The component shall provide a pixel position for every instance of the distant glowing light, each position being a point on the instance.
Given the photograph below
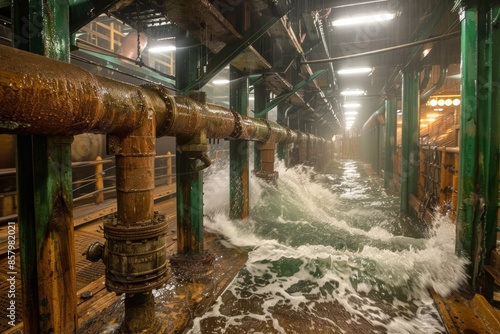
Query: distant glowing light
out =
(350, 113)
(350, 118)
(456, 102)
(162, 48)
(352, 105)
(433, 103)
(440, 103)
(448, 102)
(220, 82)
(355, 70)
(353, 92)
(363, 19)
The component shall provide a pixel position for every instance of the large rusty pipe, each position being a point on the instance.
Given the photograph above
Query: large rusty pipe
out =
(45, 96)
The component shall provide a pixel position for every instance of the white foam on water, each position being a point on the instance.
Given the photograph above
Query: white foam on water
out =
(374, 275)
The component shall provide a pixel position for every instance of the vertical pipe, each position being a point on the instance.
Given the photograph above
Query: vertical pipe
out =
(44, 188)
(390, 140)
(410, 137)
(238, 151)
(99, 182)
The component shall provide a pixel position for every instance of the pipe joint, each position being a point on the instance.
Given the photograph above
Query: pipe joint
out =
(134, 254)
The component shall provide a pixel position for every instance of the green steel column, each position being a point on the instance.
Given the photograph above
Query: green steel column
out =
(189, 205)
(282, 148)
(190, 160)
(44, 185)
(489, 126)
(479, 123)
(410, 137)
(261, 99)
(390, 140)
(238, 151)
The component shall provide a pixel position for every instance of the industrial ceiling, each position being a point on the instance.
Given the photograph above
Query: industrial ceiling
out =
(294, 48)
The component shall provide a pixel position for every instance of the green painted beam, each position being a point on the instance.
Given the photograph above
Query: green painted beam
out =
(44, 185)
(232, 50)
(82, 12)
(284, 96)
(410, 137)
(390, 140)
(239, 177)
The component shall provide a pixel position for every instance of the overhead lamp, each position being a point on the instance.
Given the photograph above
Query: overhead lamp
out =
(448, 102)
(354, 113)
(220, 82)
(363, 19)
(456, 102)
(355, 70)
(352, 105)
(350, 118)
(353, 92)
(162, 48)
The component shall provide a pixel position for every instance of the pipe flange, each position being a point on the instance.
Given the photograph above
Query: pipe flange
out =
(238, 128)
(135, 254)
(167, 97)
(270, 131)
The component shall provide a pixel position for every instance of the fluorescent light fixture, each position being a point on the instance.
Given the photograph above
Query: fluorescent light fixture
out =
(352, 105)
(220, 82)
(350, 113)
(363, 19)
(162, 48)
(355, 70)
(456, 102)
(353, 92)
(350, 118)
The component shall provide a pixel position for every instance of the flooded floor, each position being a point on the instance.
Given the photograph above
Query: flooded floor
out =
(329, 253)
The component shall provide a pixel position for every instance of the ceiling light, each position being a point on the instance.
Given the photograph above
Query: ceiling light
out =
(352, 105)
(448, 102)
(350, 113)
(363, 19)
(350, 118)
(353, 92)
(355, 70)
(438, 109)
(456, 102)
(162, 48)
(220, 82)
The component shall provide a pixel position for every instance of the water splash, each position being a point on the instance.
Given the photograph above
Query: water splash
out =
(329, 254)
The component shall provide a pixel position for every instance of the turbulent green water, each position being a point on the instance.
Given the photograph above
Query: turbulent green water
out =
(329, 254)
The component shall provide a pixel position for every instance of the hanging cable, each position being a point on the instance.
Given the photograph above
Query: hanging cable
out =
(138, 60)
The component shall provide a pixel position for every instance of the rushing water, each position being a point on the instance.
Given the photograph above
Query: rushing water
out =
(329, 253)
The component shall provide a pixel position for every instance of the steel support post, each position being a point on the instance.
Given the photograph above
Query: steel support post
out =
(410, 137)
(44, 185)
(479, 123)
(238, 151)
(261, 98)
(283, 147)
(191, 261)
(390, 140)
